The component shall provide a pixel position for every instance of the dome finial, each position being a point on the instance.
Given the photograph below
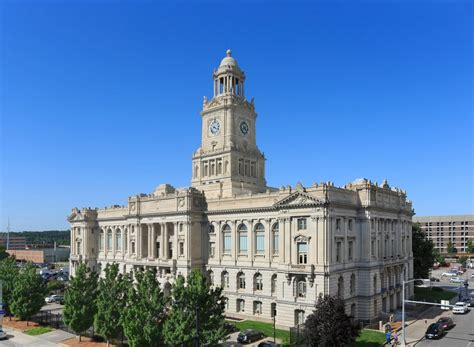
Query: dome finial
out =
(229, 53)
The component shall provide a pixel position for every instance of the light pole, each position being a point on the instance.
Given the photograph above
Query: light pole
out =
(404, 342)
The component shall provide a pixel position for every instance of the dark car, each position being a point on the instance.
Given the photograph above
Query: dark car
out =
(419, 282)
(249, 336)
(434, 331)
(446, 322)
(434, 279)
(59, 299)
(230, 328)
(266, 344)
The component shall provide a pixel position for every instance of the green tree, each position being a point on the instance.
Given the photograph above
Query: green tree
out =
(438, 257)
(3, 253)
(450, 247)
(80, 300)
(463, 260)
(329, 325)
(469, 247)
(142, 318)
(196, 300)
(111, 300)
(8, 275)
(28, 293)
(423, 253)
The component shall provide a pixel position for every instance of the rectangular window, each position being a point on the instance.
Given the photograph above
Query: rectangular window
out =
(170, 250)
(78, 245)
(276, 242)
(338, 252)
(240, 305)
(372, 248)
(301, 223)
(302, 253)
(338, 224)
(350, 250)
(372, 224)
(181, 248)
(260, 244)
(257, 307)
(349, 224)
(227, 243)
(212, 249)
(133, 247)
(243, 242)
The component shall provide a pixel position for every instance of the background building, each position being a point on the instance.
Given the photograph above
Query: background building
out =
(442, 229)
(45, 255)
(273, 250)
(16, 242)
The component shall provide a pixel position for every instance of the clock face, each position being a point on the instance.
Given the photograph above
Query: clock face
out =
(244, 127)
(214, 127)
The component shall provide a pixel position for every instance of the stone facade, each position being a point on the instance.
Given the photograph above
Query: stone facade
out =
(272, 249)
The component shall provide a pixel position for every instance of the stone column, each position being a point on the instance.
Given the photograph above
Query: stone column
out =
(234, 240)
(268, 240)
(175, 241)
(164, 237)
(149, 239)
(153, 241)
(251, 240)
(139, 241)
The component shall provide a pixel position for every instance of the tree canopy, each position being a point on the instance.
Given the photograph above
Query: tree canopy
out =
(450, 247)
(469, 247)
(80, 300)
(423, 253)
(329, 325)
(195, 304)
(111, 300)
(143, 316)
(8, 274)
(28, 293)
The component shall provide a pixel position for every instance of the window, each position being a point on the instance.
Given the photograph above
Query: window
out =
(170, 250)
(350, 250)
(302, 249)
(274, 283)
(227, 238)
(338, 224)
(212, 249)
(258, 285)
(276, 238)
(240, 280)
(340, 287)
(125, 236)
(181, 248)
(78, 246)
(242, 238)
(375, 284)
(157, 245)
(372, 224)
(225, 279)
(353, 284)
(372, 248)
(101, 240)
(299, 317)
(240, 305)
(211, 229)
(257, 307)
(133, 247)
(301, 224)
(301, 289)
(338, 252)
(211, 277)
(109, 240)
(118, 240)
(349, 224)
(260, 238)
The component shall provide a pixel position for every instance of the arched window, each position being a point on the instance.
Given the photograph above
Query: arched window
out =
(274, 283)
(259, 238)
(340, 287)
(109, 240)
(225, 279)
(242, 238)
(101, 240)
(240, 280)
(226, 235)
(276, 238)
(118, 240)
(300, 288)
(258, 281)
(353, 284)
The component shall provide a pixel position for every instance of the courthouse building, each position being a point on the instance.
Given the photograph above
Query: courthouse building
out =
(273, 250)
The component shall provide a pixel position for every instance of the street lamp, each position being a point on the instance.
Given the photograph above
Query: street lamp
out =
(404, 342)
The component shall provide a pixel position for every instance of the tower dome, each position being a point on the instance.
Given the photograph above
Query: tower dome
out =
(229, 61)
(229, 78)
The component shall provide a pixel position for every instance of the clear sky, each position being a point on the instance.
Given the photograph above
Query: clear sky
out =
(101, 100)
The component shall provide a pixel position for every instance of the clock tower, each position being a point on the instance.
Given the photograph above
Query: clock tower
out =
(228, 162)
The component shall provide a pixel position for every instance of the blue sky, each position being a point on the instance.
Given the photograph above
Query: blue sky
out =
(101, 100)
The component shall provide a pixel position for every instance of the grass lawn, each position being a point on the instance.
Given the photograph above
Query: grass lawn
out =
(266, 328)
(370, 338)
(38, 331)
(430, 295)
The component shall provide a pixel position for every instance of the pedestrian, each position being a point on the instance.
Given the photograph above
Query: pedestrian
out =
(395, 338)
(388, 337)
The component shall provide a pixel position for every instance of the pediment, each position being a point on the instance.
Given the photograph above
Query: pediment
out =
(75, 217)
(298, 199)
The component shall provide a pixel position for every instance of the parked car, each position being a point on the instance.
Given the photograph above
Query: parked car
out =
(58, 299)
(419, 283)
(446, 322)
(50, 299)
(449, 274)
(472, 275)
(249, 335)
(230, 328)
(266, 344)
(3, 335)
(468, 300)
(434, 279)
(434, 331)
(456, 280)
(460, 307)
